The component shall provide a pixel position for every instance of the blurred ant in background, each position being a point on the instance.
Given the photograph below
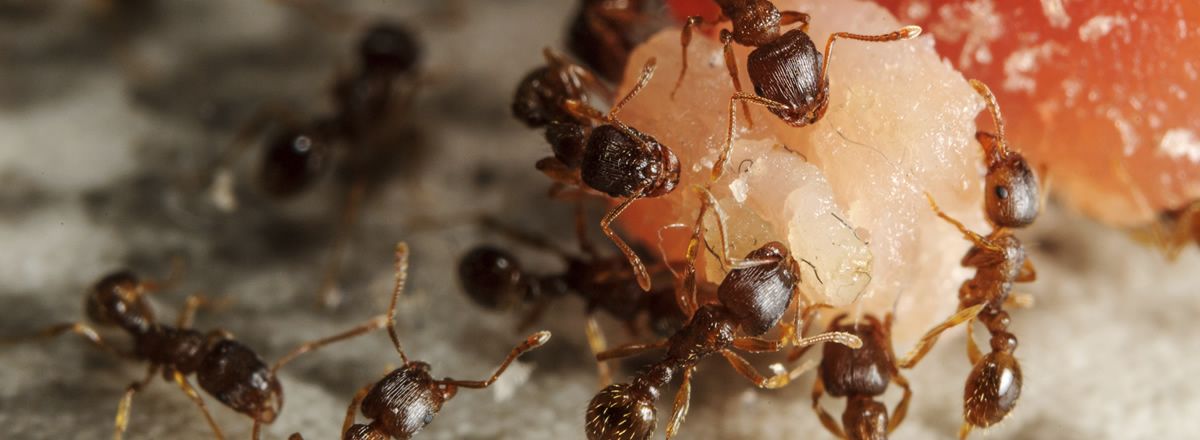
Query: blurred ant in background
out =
(225, 368)
(357, 138)
(604, 32)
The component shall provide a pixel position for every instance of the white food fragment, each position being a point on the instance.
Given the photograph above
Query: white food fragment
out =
(1056, 13)
(1022, 63)
(739, 189)
(1180, 143)
(1099, 26)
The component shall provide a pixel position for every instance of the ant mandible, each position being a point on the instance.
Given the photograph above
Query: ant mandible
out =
(225, 368)
(611, 158)
(752, 299)
(1011, 201)
(407, 399)
(864, 374)
(495, 279)
(298, 153)
(790, 78)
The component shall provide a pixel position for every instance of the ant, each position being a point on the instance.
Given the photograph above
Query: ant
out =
(299, 153)
(494, 279)
(1011, 201)
(752, 299)
(225, 368)
(790, 78)
(408, 398)
(611, 158)
(1174, 228)
(604, 32)
(862, 375)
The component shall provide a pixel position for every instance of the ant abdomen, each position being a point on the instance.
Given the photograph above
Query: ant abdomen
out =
(794, 57)
(493, 278)
(622, 412)
(293, 160)
(992, 390)
(618, 165)
(759, 295)
(238, 377)
(865, 419)
(401, 404)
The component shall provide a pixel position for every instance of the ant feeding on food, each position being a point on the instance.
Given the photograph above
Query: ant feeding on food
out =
(752, 299)
(1010, 201)
(405, 400)
(604, 32)
(370, 105)
(225, 368)
(863, 374)
(790, 78)
(495, 279)
(611, 158)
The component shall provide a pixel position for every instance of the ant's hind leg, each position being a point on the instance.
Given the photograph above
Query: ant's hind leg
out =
(790, 17)
(683, 399)
(77, 328)
(719, 166)
(827, 420)
(630, 349)
(685, 39)
(731, 66)
(749, 372)
(328, 296)
(902, 407)
(931, 337)
(352, 410)
(639, 269)
(596, 341)
(122, 420)
(199, 401)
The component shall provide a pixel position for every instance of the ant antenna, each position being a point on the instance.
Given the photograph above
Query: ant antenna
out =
(993, 107)
(401, 280)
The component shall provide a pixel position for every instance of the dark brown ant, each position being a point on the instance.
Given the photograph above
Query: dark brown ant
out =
(229, 371)
(752, 299)
(604, 32)
(614, 159)
(408, 398)
(298, 153)
(789, 76)
(494, 278)
(862, 375)
(1011, 201)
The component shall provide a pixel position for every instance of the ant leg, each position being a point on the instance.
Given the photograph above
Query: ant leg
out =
(926, 343)
(581, 230)
(122, 419)
(964, 431)
(328, 295)
(557, 171)
(630, 349)
(731, 66)
(719, 166)
(353, 408)
(533, 341)
(1019, 300)
(685, 39)
(193, 303)
(199, 401)
(596, 341)
(790, 17)
(903, 33)
(809, 313)
(974, 237)
(77, 328)
(749, 372)
(902, 407)
(639, 269)
(683, 400)
(832, 425)
(643, 79)
(973, 353)
(1027, 273)
(375, 323)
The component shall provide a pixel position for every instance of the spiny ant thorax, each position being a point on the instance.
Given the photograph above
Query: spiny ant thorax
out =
(865, 419)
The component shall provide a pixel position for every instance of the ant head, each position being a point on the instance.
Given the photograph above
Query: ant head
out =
(492, 278)
(805, 94)
(992, 390)
(117, 299)
(235, 375)
(539, 96)
(404, 401)
(866, 370)
(389, 48)
(758, 294)
(617, 164)
(621, 412)
(1011, 196)
(293, 160)
(865, 418)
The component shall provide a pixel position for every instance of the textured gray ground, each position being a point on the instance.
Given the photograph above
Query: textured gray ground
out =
(103, 162)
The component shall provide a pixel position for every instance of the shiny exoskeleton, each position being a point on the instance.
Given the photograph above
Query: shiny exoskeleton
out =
(611, 158)
(226, 369)
(753, 298)
(790, 77)
(1011, 201)
(405, 400)
(604, 32)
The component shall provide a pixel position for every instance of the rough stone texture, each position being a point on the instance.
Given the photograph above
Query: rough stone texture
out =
(103, 162)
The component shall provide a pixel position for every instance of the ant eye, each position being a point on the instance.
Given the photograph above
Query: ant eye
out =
(1001, 192)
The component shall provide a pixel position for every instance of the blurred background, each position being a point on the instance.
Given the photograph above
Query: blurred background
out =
(116, 115)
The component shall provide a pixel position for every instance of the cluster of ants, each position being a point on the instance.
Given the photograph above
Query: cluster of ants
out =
(597, 154)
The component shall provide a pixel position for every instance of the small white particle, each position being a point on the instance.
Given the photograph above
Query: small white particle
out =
(1099, 26)
(739, 189)
(1056, 13)
(1181, 143)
